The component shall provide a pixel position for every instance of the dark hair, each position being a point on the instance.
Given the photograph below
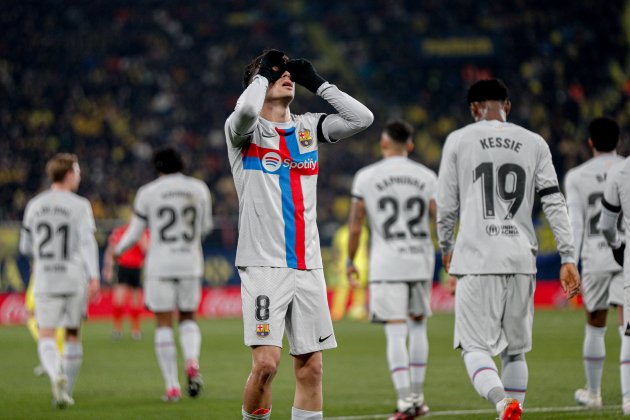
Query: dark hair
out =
(399, 131)
(251, 70)
(167, 161)
(59, 165)
(487, 90)
(604, 134)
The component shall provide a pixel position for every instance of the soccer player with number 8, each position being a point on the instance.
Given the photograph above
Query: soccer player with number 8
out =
(274, 159)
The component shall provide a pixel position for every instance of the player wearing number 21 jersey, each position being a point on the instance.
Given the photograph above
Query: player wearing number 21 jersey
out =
(490, 172)
(58, 232)
(177, 211)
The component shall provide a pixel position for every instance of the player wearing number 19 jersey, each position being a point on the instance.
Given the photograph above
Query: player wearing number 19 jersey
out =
(489, 174)
(602, 277)
(177, 211)
(58, 232)
(397, 195)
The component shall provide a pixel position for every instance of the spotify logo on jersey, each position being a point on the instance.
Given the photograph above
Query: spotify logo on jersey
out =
(271, 162)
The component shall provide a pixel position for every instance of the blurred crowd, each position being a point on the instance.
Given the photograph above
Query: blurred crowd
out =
(112, 80)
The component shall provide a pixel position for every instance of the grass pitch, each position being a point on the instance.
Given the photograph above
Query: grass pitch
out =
(121, 379)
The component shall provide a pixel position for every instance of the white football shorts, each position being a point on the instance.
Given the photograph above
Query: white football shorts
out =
(166, 294)
(60, 311)
(397, 300)
(278, 299)
(602, 289)
(494, 312)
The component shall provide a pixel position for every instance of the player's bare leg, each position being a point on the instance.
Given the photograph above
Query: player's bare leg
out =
(166, 353)
(308, 400)
(190, 342)
(257, 393)
(594, 353)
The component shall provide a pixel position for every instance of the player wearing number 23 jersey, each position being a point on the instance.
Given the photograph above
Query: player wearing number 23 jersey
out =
(177, 211)
(490, 173)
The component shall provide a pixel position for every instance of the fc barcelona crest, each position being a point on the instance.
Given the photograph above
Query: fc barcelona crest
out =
(262, 330)
(305, 138)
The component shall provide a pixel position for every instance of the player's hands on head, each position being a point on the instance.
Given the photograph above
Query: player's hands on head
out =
(272, 65)
(570, 280)
(303, 73)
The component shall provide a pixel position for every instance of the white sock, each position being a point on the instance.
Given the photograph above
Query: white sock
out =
(299, 414)
(418, 355)
(594, 353)
(72, 359)
(167, 356)
(514, 376)
(483, 374)
(625, 366)
(398, 358)
(190, 340)
(49, 357)
(249, 416)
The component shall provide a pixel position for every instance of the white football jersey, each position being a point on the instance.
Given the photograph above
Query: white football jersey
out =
(58, 232)
(489, 175)
(584, 186)
(178, 211)
(617, 196)
(397, 192)
(275, 174)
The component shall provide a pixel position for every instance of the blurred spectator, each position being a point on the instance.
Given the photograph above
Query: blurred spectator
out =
(112, 80)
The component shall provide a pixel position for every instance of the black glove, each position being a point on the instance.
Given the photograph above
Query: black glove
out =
(303, 73)
(618, 254)
(272, 65)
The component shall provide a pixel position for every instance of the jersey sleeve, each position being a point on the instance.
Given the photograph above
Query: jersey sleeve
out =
(352, 116)
(611, 207)
(576, 209)
(141, 206)
(241, 123)
(26, 238)
(207, 221)
(89, 247)
(137, 225)
(554, 206)
(447, 197)
(358, 188)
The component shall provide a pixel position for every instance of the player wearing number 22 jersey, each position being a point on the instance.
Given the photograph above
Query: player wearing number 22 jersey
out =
(397, 195)
(177, 211)
(490, 172)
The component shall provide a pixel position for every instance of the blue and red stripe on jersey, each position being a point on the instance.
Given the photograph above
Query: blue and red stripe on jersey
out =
(290, 179)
